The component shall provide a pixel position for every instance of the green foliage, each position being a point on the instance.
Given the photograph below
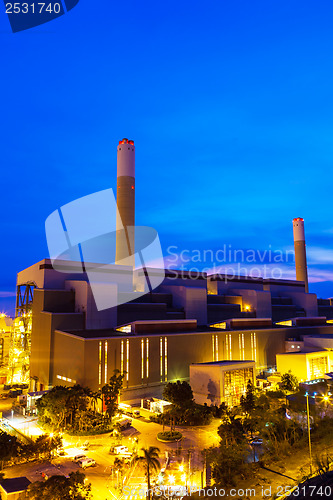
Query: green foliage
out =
(192, 415)
(289, 382)
(229, 464)
(169, 435)
(11, 450)
(112, 391)
(179, 393)
(9, 447)
(45, 445)
(150, 461)
(72, 409)
(248, 401)
(61, 488)
(278, 394)
(231, 432)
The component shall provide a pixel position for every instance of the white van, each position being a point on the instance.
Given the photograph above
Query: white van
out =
(86, 462)
(119, 450)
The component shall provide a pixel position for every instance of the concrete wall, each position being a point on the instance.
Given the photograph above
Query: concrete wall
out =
(192, 299)
(259, 301)
(85, 303)
(43, 325)
(174, 353)
(207, 384)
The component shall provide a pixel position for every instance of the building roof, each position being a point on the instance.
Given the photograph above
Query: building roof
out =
(304, 353)
(225, 362)
(15, 484)
(319, 336)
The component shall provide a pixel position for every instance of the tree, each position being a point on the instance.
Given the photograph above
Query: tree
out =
(179, 393)
(112, 391)
(289, 382)
(231, 432)
(150, 462)
(71, 408)
(248, 402)
(45, 445)
(228, 464)
(61, 488)
(9, 446)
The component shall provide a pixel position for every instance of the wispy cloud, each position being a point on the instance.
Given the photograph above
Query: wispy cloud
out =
(7, 294)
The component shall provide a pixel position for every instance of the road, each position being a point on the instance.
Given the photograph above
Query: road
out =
(103, 477)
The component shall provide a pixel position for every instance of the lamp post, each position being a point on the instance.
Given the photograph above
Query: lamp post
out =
(309, 434)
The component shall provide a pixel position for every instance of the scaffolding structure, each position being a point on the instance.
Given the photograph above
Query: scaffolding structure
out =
(20, 341)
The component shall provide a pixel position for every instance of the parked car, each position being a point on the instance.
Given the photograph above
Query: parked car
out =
(136, 413)
(256, 441)
(124, 423)
(79, 457)
(86, 462)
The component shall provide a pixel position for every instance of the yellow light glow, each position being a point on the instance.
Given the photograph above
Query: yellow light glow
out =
(171, 479)
(183, 478)
(326, 398)
(51, 434)
(181, 467)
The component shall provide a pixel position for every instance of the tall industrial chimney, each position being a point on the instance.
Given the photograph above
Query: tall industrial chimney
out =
(300, 252)
(125, 246)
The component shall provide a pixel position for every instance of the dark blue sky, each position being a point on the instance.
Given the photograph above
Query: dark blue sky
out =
(230, 106)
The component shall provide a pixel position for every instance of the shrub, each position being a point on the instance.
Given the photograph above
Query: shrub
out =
(169, 436)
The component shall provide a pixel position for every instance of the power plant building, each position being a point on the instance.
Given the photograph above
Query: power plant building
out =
(186, 324)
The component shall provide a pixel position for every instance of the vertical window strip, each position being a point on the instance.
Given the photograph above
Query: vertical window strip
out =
(142, 358)
(216, 347)
(105, 362)
(230, 346)
(213, 346)
(240, 346)
(243, 346)
(121, 357)
(161, 358)
(165, 358)
(255, 347)
(252, 350)
(147, 358)
(100, 363)
(127, 360)
(227, 345)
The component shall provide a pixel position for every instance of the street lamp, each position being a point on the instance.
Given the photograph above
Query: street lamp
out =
(171, 479)
(309, 435)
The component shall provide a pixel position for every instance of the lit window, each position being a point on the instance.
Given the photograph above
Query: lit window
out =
(165, 358)
(127, 360)
(142, 359)
(105, 362)
(122, 357)
(161, 358)
(100, 363)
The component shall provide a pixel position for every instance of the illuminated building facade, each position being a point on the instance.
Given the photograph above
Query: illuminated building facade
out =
(221, 381)
(305, 366)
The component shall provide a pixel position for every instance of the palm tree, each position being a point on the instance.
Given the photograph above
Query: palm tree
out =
(150, 462)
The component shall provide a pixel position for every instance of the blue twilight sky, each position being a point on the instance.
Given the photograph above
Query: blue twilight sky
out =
(230, 106)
